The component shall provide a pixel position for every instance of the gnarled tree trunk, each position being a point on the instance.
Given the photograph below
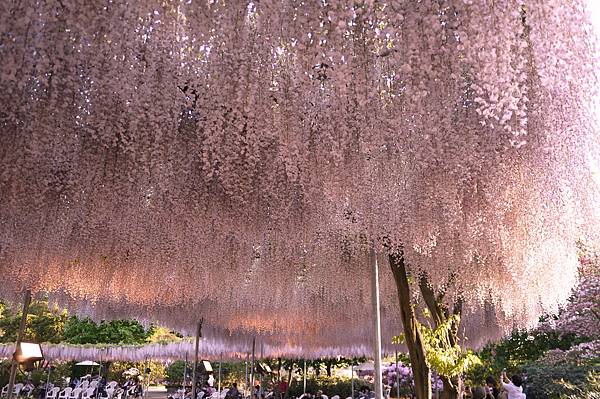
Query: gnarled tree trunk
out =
(440, 313)
(414, 342)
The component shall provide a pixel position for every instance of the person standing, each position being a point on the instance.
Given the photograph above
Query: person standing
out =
(513, 387)
(233, 392)
(492, 387)
(282, 387)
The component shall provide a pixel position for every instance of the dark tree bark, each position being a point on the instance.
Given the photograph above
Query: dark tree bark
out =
(328, 365)
(439, 314)
(414, 341)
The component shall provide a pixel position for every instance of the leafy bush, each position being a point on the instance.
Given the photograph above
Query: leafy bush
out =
(174, 372)
(563, 381)
(329, 385)
(514, 352)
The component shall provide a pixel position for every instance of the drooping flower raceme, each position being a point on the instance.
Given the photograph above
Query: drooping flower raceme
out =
(174, 160)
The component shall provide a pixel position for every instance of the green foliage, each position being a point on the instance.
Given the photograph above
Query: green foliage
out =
(329, 385)
(4, 372)
(174, 372)
(51, 324)
(446, 359)
(122, 332)
(162, 335)
(558, 381)
(320, 366)
(116, 370)
(44, 324)
(520, 348)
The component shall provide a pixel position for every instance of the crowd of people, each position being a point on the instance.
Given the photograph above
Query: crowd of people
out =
(507, 389)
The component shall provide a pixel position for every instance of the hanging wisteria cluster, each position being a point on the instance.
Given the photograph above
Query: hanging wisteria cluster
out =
(210, 349)
(171, 160)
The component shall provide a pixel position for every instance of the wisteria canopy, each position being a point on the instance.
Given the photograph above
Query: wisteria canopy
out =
(210, 349)
(234, 160)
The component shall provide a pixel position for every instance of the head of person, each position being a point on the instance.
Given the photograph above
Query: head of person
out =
(517, 380)
(319, 393)
(478, 393)
(234, 385)
(491, 382)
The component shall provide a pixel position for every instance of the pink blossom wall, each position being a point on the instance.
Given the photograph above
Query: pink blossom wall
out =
(169, 160)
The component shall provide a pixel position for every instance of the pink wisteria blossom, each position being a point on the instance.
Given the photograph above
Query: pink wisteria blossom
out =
(170, 160)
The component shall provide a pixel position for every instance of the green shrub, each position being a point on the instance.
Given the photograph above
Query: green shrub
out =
(329, 385)
(562, 381)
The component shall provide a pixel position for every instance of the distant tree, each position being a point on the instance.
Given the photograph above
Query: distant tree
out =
(44, 324)
(122, 332)
(163, 335)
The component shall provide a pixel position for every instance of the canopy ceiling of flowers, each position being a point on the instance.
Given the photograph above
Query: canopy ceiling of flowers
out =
(171, 160)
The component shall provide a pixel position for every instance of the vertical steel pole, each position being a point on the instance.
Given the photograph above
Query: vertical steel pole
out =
(48, 380)
(304, 375)
(247, 357)
(147, 378)
(252, 365)
(376, 322)
(184, 372)
(194, 373)
(220, 361)
(352, 379)
(22, 325)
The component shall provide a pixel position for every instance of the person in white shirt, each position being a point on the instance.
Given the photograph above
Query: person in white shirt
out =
(513, 386)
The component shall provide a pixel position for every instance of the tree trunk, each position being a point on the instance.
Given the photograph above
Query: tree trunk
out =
(450, 388)
(289, 381)
(414, 342)
(22, 326)
(328, 365)
(439, 314)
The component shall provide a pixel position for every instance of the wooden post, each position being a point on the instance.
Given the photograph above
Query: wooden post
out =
(194, 373)
(22, 325)
(376, 322)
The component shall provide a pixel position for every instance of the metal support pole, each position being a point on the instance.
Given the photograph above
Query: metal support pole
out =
(147, 378)
(260, 376)
(184, 373)
(220, 361)
(48, 380)
(376, 322)
(247, 356)
(352, 379)
(304, 376)
(22, 325)
(194, 374)
(252, 365)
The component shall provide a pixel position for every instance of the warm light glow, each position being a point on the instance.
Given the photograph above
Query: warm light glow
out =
(28, 351)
